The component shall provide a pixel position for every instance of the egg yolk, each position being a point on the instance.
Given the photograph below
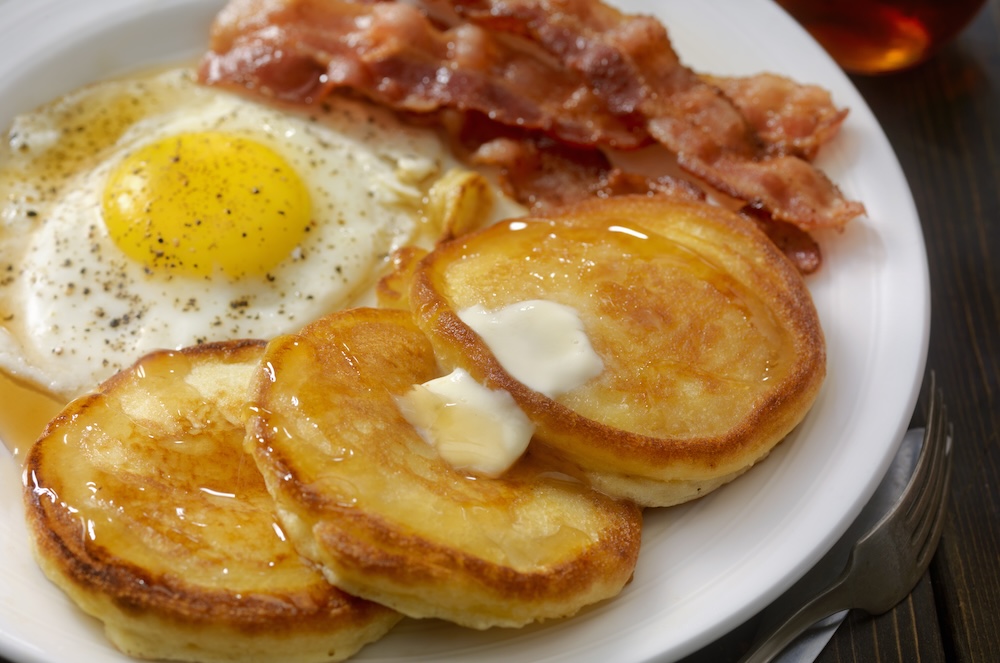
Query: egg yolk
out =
(198, 203)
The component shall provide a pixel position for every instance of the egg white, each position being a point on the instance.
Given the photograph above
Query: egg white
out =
(75, 309)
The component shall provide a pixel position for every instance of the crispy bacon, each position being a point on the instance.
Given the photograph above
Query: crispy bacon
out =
(301, 50)
(542, 173)
(797, 245)
(630, 62)
(577, 71)
(790, 118)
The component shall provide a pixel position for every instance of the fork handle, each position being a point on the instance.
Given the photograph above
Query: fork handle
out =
(771, 642)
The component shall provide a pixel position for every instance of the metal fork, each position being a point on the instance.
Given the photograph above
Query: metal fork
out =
(886, 562)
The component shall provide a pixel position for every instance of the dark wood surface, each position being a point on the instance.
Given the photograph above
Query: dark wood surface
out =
(943, 120)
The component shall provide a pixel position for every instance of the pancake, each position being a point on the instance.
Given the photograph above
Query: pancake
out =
(147, 512)
(711, 346)
(393, 289)
(360, 492)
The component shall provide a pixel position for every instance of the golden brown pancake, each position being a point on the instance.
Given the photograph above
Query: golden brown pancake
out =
(711, 345)
(393, 289)
(361, 493)
(147, 512)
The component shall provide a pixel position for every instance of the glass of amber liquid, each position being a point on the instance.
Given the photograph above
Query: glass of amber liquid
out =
(880, 36)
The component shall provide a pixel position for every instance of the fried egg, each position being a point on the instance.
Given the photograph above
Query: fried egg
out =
(151, 212)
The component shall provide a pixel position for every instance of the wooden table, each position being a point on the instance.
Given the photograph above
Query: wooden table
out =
(943, 120)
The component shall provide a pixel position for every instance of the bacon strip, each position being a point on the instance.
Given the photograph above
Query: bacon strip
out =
(541, 173)
(301, 50)
(797, 245)
(630, 62)
(576, 70)
(790, 118)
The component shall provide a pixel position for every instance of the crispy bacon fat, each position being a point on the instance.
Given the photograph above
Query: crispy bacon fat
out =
(566, 78)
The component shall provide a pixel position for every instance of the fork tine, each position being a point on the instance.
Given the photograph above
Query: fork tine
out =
(928, 467)
(917, 491)
(928, 464)
(937, 512)
(924, 514)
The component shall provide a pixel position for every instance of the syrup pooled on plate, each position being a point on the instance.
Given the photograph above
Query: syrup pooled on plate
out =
(25, 413)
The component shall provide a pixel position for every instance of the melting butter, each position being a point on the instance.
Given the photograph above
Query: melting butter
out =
(541, 344)
(471, 426)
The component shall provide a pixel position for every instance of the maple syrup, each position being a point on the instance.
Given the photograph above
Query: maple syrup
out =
(880, 36)
(24, 414)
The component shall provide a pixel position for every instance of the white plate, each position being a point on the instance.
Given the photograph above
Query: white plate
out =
(705, 566)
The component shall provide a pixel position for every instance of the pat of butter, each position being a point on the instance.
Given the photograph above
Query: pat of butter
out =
(541, 344)
(471, 426)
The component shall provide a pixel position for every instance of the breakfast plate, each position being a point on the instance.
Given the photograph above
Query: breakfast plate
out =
(705, 566)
